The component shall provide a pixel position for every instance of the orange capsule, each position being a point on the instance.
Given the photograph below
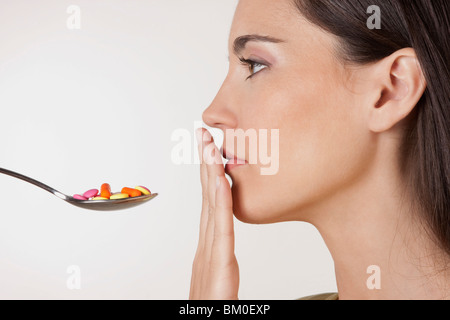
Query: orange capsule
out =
(105, 191)
(132, 192)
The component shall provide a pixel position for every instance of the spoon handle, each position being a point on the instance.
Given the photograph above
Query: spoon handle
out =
(34, 182)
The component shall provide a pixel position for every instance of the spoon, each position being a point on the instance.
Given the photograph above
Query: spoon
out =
(98, 205)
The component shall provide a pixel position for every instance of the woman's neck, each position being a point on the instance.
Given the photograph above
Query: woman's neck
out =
(380, 249)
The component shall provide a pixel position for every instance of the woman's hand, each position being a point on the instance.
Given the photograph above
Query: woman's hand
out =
(215, 272)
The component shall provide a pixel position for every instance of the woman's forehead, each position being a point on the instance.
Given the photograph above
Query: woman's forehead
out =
(277, 19)
(261, 16)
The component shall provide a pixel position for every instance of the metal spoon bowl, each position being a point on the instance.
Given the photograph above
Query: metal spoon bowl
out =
(97, 205)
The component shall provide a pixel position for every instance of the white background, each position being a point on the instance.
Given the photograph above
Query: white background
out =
(100, 104)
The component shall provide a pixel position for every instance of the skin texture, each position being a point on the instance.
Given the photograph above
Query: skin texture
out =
(340, 129)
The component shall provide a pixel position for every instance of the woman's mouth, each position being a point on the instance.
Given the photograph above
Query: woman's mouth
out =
(233, 161)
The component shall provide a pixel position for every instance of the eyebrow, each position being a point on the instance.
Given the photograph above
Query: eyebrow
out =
(241, 42)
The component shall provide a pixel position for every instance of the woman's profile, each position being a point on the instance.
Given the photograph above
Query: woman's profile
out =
(364, 142)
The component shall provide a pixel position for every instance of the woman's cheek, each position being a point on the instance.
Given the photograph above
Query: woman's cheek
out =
(320, 150)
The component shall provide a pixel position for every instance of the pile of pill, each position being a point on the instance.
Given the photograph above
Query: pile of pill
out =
(105, 193)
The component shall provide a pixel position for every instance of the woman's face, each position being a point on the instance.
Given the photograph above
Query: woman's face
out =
(300, 89)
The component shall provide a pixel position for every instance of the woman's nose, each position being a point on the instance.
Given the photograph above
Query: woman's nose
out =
(219, 114)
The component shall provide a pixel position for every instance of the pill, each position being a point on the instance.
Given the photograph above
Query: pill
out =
(90, 193)
(105, 191)
(79, 197)
(132, 192)
(106, 194)
(117, 196)
(144, 190)
(100, 198)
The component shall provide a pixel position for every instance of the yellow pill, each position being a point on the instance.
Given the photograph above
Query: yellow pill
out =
(144, 190)
(119, 196)
(99, 198)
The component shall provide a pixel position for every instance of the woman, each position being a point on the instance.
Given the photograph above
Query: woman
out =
(363, 118)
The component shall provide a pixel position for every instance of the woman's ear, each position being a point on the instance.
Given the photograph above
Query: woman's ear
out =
(400, 84)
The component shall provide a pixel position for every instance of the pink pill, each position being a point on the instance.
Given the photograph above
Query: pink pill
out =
(145, 189)
(78, 197)
(91, 193)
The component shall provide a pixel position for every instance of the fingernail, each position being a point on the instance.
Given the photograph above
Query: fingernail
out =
(207, 153)
(217, 182)
(207, 137)
(198, 134)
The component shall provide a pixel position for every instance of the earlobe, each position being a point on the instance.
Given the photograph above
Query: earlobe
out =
(401, 84)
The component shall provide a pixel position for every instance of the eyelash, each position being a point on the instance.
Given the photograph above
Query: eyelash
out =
(251, 64)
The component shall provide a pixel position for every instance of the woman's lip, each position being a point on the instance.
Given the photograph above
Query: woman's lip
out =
(232, 160)
(233, 164)
(236, 161)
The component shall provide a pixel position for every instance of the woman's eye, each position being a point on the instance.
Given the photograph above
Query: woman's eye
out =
(256, 67)
(253, 66)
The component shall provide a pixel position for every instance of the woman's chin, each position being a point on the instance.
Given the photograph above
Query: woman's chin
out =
(260, 208)
(246, 217)
(255, 213)
(256, 201)
(242, 208)
(253, 207)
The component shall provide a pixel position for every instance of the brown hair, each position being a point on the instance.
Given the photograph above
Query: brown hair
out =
(423, 25)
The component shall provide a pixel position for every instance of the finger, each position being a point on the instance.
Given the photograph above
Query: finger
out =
(206, 232)
(202, 137)
(194, 280)
(223, 219)
(215, 168)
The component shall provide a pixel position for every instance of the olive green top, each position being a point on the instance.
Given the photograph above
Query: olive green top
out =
(324, 296)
